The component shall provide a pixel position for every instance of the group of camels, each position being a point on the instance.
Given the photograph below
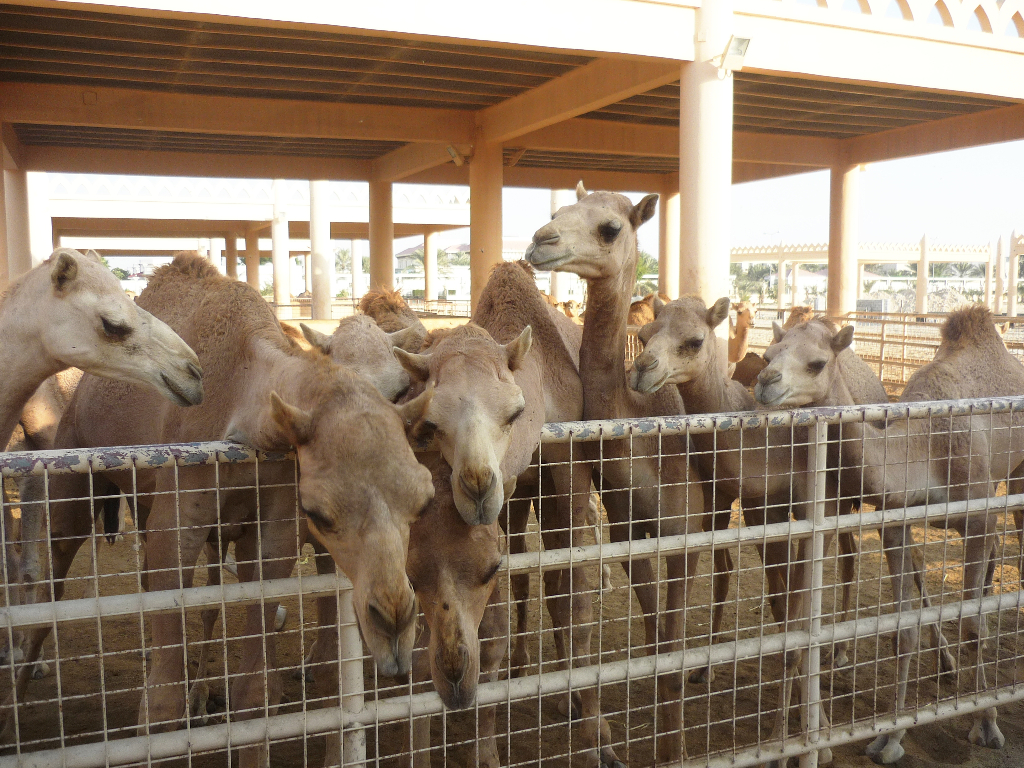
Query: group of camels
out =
(423, 532)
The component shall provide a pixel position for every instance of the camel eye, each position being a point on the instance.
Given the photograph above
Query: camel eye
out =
(515, 416)
(691, 345)
(610, 230)
(817, 366)
(320, 520)
(491, 573)
(116, 331)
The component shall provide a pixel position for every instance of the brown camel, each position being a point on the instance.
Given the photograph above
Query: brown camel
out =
(918, 461)
(389, 310)
(796, 316)
(644, 482)
(70, 312)
(739, 332)
(641, 311)
(360, 486)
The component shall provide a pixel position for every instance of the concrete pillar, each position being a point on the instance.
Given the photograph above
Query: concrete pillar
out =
(705, 158)
(1000, 278)
(214, 252)
(668, 237)
(231, 255)
(382, 237)
(40, 224)
(794, 277)
(18, 240)
(252, 258)
(357, 270)
(922, 277)
(780, 279)
(843, 253)
(318, 279)
(988, 276)
(558, 285)
(1012, 270)
(307, 273)
(279, 253)
(4, 249)
(485, 182)
(430, 266)
(860, 281)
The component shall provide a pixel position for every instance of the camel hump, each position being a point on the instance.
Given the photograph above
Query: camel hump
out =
(526, 266)
(187, 264)
(377, 301)
(969, 325)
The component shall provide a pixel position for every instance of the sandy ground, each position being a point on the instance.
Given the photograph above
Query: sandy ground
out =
(100, 670)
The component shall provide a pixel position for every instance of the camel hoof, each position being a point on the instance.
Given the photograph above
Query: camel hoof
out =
(824, 756)
(280, 618)
(840, 659)
(304, 672)
(884, 750)
(986, 733)
(947, 667)
(40, 670)
(570, 706)
(702, 676)
(6, 657)
(606, 578)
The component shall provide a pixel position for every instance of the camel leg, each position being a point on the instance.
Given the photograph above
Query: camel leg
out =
(325, 647)
(1014, 486)
(569, 598)
(848, 552)
(199, 694)
(493, 634)
(717, 516)
(518, 516)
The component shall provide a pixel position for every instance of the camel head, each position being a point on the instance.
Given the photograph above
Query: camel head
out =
(476, 402)
(802, 364)
(454, 569)
(595, 237)
(360, 488)
(360, 345)
(86, 321)
(680, 345)
(744, 315)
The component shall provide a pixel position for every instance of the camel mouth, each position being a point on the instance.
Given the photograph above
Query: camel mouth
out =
(545, 261)
(645, 383)
(183, 396)
(765, 398)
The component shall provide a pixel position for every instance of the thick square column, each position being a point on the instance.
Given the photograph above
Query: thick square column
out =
(485, 181)
(357, 270)
(252, 258)
(429, 266)
(668, 237)
(382, 237)
(321, 255)
(231, 255)
(19, 248)
(279, 253)
(705, 157)
(843, 272)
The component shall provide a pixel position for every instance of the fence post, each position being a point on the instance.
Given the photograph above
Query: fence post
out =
(811, 711)
(350, 677)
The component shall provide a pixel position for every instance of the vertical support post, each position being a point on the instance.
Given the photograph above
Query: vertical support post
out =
(842, 240)
(280, 253)
(780, 280)
(429, 266)
(485, 181)
(252, 258)
(810, 714)
(307, 273)
(705, 158)
(668, 237)
(231, 255)
(350, 656)
(320, 262)
(558, 285)
(795, 278)
(40, 224)
(5, 251)
(1012, 269)
(1000, 284)
(988, 276)
(213, 254)
(922, 278)
(19, 259)
(382, 237)
(357, 271)
(860, 281)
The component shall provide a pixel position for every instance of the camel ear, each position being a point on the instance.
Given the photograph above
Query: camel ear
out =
(517, 349)
(418, 366)
(657, 305)
(509, 487)
(296, 423)
(413, 411)
(581, 191)
(842, 340)
(64, 271)
(777, 332)
(407, 339)
(643, 210)
(94, 256)
(319, 340)
(718, 312)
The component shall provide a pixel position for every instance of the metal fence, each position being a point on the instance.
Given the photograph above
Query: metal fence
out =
(84, 713)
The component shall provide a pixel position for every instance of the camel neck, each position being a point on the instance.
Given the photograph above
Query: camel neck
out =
(709, 392)
(603, 350)
(26, 366)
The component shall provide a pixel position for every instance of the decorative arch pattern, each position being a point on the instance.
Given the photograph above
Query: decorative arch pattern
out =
(999, 17)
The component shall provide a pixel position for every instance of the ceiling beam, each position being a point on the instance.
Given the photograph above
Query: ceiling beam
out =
(584, 89)
(13, 151)
(743, 172)
(991, 126)
(415, 157)
(130, 108)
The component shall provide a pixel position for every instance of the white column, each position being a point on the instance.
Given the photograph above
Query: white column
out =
(279, 253)
(485, 182)
(231, 255)
(922, 278)
(558, 284)
(214, 252)
(860, 281)
(430, 266)
(252, 258)
(794, 277)
(705, 158)
(19, 244)
(318, 280)
(988, 276)
(39, 221)
(843, 272)
(382, 237)
(357, 269)
(668, 237)
(1012, 269)
(1000, 279)
(780, 272)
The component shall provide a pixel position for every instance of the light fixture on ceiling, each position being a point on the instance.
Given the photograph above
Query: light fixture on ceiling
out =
(457, 157)
(731, 59)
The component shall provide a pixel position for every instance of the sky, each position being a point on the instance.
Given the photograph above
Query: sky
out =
(967, 196)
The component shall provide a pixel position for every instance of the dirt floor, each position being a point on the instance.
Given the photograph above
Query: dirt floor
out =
(97, 670)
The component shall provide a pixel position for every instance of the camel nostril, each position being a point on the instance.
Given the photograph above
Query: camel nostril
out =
(643, 363)
(195, 370)
(549, 239)
(480, 485)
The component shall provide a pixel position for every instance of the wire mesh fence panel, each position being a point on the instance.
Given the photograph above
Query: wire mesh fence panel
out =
(809, 608)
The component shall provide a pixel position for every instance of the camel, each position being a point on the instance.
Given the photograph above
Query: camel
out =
(796, 316)
(644, 482)
(467, 414)
(359, 484)
(70, 312)
(739, 332)
(389, 310)
(571, 308)
(641, 311)
(918, 462)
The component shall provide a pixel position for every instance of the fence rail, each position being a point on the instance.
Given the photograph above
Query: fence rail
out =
(83, 716)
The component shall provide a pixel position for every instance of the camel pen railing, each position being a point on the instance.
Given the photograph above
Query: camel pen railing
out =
(83, 715)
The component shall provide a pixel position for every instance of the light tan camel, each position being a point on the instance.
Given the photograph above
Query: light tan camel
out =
(644, 482)
(455, 570)
(796, 316)
(919, 462)
(70, 312)
(739, 332)
(571, 308)
(360, 486)
(641, 311)
(389, 310)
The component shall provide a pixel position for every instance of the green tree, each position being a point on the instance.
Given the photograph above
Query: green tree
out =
(646, 264)
(120, 274)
